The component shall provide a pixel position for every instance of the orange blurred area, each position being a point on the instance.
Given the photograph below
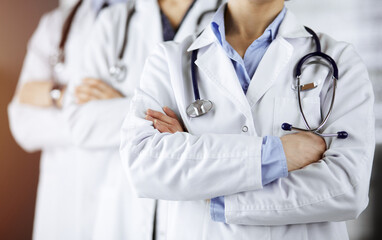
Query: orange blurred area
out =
(18, 169)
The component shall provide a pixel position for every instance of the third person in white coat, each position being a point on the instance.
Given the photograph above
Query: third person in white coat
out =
(38, 123)
(124, 34)
(263, 183)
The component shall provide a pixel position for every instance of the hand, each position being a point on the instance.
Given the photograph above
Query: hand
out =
(165, 123)
(302, 149)
(37, 93)
(95, 89)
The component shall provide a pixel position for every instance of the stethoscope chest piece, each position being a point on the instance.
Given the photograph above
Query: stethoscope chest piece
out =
(199, 108)
(57, 62)
(118, 72)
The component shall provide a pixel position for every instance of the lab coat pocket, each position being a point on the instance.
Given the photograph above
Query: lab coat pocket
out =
(287, 110)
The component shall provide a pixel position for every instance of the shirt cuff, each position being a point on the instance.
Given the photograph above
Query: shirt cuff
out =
(273, 160)
(217, 209)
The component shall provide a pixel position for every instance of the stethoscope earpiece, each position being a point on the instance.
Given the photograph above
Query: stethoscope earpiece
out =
(342, 135)
(286, 127)
(339, 135)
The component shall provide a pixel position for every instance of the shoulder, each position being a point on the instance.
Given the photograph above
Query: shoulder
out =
(52, 20)
(114, 13)
(110, 22)
(48, 29)
(166, 63)
(337, 48)
(353, 73)
(172, 50)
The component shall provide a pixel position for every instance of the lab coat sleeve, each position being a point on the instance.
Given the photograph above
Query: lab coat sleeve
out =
(36, 128)
(182, 166)
(97, 124)
(335, 188)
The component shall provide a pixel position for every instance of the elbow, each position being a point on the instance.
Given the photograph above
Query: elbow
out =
(359, 204)
(24, 141)
(29, 148)
(352, 204)
(23, 138)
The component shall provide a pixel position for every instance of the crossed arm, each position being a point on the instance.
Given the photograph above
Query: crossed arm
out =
(163, 163)
(301, 149)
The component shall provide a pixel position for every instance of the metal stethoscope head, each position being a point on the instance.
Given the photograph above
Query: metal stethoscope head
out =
(118, 71)
(318, 53)
(200, 106)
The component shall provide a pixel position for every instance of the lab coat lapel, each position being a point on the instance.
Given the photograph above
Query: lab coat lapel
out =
(215, 64)
(150, 15)
(275, 59)
(192, 18)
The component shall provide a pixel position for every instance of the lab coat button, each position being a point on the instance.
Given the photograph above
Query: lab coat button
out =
(245, 129)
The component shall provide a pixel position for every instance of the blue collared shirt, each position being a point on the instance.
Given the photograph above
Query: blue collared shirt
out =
(169, 32)
(273, 160)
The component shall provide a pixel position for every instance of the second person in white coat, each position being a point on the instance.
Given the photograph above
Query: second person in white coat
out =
(99, 102)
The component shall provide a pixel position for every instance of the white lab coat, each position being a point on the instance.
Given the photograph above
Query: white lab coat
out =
(58, 202)
(218, 157)
(95, 126)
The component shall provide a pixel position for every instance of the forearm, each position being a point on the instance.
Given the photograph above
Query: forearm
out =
(321, 192)
(97, 124)
(182, 166)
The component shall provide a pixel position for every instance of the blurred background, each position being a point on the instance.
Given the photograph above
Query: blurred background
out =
(18, 170)
(358, 22)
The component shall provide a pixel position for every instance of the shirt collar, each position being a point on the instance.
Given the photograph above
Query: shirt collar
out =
(218, 26)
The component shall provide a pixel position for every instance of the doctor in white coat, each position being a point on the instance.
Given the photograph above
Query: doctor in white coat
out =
(37, 121)
(99, 101)
(225, 156)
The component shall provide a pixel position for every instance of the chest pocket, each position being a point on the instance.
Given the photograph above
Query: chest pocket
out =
(286, 110)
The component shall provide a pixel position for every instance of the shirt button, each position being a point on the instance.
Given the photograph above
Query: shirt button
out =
(244, 129)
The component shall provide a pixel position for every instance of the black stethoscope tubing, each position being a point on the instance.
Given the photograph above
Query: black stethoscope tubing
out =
(197, 108)
(131, 12)
(59, 57)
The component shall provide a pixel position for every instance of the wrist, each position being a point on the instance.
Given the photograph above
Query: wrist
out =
(56, 94)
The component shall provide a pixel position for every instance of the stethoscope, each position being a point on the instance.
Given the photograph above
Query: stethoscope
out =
(57, 60)
(201, 106)
(119, 70)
